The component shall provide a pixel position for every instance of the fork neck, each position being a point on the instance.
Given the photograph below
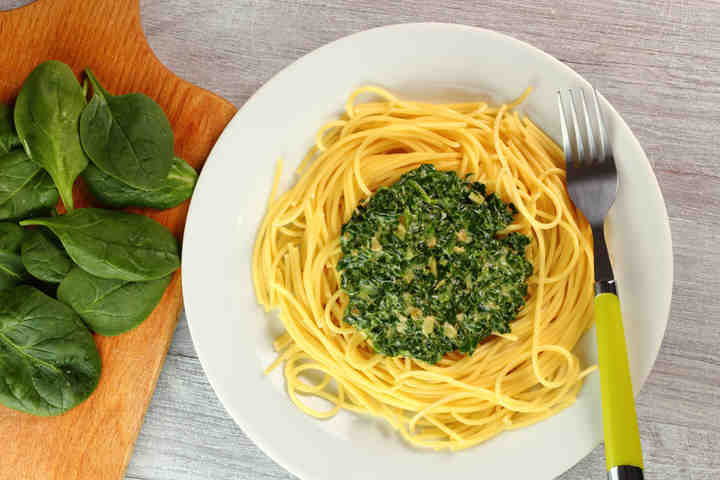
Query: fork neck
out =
(604, 278)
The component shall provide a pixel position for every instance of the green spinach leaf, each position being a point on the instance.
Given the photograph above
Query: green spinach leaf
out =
(48, 359)
(44, 258)
(47, 112)
(177, 187)
(12, 271)
(111, 244)
(110, 307)
(8, 136)
(25, 188)
(127, 136)
(11, 237)
(16, 170)
(37, 198)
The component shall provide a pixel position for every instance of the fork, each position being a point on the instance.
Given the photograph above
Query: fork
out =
(592, 182)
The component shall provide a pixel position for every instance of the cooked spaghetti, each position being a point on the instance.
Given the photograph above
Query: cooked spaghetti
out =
(510, 380)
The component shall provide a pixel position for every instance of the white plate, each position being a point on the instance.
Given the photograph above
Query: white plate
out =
(233, 336)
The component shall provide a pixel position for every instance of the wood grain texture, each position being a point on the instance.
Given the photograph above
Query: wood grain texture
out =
(658, 62)
(95, 440)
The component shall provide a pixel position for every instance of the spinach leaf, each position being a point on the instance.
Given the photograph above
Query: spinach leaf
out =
(25, 188)
(37, 198)
(16, 170)
(8, 136)
(12, 271)
(108, 306)
(47, 113)
(111, 244)
(177, 187)
(11, 237)
(43, 258)
(128, 137)
(48, 359)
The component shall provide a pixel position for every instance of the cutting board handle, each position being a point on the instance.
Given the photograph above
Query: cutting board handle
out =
(78, 32)
(101, 34)
(107, 37)
(132, 6)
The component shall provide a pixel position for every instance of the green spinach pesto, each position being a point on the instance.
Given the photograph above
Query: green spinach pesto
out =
(425, 269)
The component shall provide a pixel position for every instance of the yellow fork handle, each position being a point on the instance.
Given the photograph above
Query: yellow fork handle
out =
(622, 437)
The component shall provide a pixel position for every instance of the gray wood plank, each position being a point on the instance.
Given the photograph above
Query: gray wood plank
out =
(188, 435)
(658, 62)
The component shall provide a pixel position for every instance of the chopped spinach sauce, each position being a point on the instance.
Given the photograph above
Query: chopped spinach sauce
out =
(425, 270)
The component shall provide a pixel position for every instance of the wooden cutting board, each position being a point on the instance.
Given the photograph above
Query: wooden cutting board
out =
(95, 440)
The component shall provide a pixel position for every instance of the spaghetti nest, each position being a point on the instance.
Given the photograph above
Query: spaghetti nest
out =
(510, 380)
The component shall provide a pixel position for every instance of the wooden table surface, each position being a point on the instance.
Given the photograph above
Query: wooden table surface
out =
(658, 62)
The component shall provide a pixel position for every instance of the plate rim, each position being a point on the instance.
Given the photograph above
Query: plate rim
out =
(292, 466)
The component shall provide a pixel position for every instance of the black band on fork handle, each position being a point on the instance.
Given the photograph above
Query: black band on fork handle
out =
(625, 472)
(605, 286)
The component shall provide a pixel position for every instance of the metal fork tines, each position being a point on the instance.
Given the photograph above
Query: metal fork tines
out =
(591, 173)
